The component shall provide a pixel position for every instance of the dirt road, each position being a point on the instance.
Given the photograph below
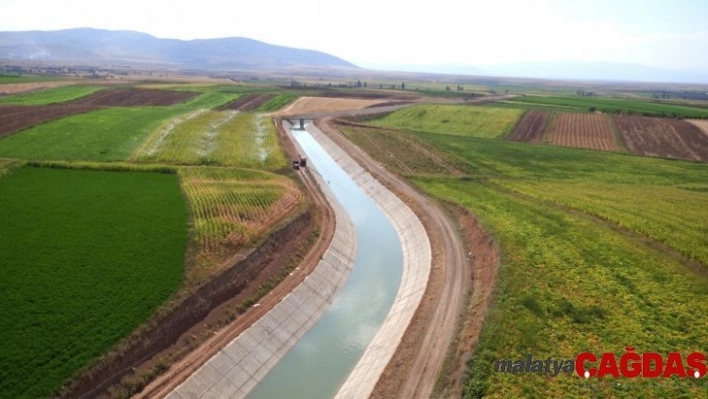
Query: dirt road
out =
(413, 371)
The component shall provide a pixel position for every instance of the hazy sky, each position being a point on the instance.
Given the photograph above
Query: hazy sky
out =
(663, 33)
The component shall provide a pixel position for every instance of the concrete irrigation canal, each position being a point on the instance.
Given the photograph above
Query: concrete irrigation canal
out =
(335, 333)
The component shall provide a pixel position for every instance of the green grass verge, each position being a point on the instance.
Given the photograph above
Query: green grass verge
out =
(87, 256)
(611, 105)
(49, 96)
(457, 120)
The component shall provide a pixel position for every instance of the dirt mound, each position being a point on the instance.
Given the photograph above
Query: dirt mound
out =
(530, 128)
(134, 98)
(248, 102)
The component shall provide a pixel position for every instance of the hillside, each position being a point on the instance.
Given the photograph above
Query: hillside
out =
(97, 46)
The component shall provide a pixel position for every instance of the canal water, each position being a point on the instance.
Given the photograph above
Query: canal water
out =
(318, 365)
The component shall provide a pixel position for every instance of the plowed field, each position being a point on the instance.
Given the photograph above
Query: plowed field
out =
(136, 97)
(701, 123)
(591, 131)
(666, 138)
(530, 128)
(14, 118)
(248, 102)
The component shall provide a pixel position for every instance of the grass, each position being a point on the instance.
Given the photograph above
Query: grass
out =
(570, 282)
(87, 256)
(110, 134)
(49, 96)
(456, 120)
(649, 210)
(208, 100)
(15, 78)
(226, 138)
(277, 102)
(611, 105)
(233, 208)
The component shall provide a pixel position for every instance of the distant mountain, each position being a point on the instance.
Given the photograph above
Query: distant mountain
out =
(600, 71)
(90, 46)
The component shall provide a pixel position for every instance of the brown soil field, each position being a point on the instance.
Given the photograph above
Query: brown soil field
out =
(701, 124)
(306, 105)
(12, 88)
(530, 128)
(248, 102)
(134, 98)
(592, 131)
(666, 138)
(14, 118)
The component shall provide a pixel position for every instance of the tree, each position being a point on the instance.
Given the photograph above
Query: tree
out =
(403, 86)
(447, 88)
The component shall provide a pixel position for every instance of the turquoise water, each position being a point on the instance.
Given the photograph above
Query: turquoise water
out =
(323, 358)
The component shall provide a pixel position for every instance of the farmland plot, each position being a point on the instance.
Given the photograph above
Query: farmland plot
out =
(592, 131)
(54, 95)
(86, 257)
(458, 120)
(135, 97)
(110, 134)
(14, 118)
(666, 138)
(233, 208)
(701, 124)
(530, 128)
(225, 138)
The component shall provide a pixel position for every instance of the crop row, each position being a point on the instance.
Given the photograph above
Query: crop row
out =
(232, 208)
(591, 131)
(225, 138)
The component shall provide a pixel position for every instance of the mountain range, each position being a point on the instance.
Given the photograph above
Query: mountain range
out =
(97, 46)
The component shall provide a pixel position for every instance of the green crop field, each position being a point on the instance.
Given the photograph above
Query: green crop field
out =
(277, 102)
(590, 255)
(227, 138)
(209, 100)
(647, 209)
(110, 134)
(612, 105)
(87, 256)
(452, 119)
(49, 96)
(12, 78)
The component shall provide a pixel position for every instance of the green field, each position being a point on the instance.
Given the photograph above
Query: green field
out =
(458, 120)
(209, 100)
(612, 105)
(49, 96)
(647, 209)
(110, 134)
(13, 78)
(569, 284)
(277, 102)
(87, 256)
(226, 138)
(570, 281)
